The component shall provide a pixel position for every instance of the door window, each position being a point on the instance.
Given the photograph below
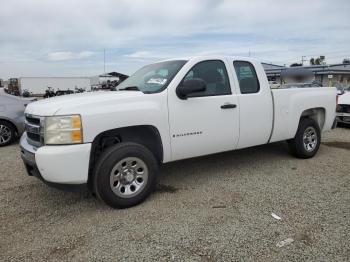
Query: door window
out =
(214, 74)
(247, 78)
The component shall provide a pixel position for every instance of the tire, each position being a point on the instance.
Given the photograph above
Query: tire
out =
(111, 175)
(7, 133)
(307, 140)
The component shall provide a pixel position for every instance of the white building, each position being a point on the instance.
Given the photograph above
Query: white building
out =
(38, 85)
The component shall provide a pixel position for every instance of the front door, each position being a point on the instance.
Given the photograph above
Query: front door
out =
(208, 121)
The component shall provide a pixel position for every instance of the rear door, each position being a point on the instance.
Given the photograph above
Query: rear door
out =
(206, 122)
(255, 102)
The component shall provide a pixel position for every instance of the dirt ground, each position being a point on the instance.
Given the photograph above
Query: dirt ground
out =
(214, 208)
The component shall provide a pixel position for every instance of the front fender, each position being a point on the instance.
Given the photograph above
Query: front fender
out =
(145, 110)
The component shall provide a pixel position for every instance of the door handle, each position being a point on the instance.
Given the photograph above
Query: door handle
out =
(228, 106)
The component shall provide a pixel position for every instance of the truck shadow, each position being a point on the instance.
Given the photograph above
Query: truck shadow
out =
(171, 175)
(337, 144)
(243, 158)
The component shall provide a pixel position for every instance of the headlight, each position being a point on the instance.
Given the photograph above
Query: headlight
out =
(60, 130)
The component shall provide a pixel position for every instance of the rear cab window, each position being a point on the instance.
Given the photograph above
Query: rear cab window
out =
(247, 78)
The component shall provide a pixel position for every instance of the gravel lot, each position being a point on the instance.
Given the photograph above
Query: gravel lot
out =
(214, 208)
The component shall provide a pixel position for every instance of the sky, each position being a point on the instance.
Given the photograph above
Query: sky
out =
(68, 38)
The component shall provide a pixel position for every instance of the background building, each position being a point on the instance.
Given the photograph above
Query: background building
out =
(37, 86)
(327, 75)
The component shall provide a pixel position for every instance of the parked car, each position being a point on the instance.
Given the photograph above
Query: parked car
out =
(343, 108)
(340, 89)
(11, 117)
(115, 141)
(274, 84)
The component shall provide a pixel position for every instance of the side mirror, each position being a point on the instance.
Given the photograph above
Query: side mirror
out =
(190, 86)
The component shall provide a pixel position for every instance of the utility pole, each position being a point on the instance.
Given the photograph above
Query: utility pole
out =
(104, 61)
(303, 59)
(249, 53)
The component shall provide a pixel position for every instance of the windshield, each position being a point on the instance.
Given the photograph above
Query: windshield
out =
(152, 78)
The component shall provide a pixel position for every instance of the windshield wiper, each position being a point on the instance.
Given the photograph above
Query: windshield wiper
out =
(130, 88)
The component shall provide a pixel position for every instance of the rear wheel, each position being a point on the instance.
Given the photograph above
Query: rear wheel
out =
(125, 175)
(307, 139)
(7, 133)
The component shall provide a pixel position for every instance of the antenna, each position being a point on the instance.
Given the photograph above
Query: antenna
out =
(303, 59)
(104, 61)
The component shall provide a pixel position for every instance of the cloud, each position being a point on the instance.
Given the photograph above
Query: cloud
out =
(62, 56)
(45, 33)
(139, 54)
(146, 55)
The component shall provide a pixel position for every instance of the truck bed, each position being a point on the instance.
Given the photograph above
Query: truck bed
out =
(292, 103)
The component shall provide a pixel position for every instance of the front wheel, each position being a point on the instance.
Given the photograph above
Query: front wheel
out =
(125, 175)
(307, 140)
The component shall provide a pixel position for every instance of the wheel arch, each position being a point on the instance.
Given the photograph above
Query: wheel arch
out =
(318, 114)
(146, 135)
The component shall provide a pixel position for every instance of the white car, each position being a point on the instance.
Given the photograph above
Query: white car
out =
(343, 108)
(167, 111)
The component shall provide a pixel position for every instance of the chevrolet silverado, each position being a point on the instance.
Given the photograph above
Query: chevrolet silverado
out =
(114, 142)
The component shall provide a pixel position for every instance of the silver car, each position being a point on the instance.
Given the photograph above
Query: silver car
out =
(11, 117)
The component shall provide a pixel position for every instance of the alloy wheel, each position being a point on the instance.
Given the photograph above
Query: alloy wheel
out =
(310, 139)
(5, 134)
(128, 177)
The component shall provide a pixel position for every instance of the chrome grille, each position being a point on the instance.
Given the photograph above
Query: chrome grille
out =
(34, 130)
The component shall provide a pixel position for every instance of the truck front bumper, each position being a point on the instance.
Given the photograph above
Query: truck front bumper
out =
(65, 165)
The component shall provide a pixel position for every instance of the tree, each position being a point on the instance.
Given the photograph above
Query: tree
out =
(346, 61)
(295, 64)
(318, 60)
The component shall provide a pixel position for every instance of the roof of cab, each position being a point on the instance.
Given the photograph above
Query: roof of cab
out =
(214, 57)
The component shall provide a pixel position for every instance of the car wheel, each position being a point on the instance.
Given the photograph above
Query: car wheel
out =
(307, 139)
(125, 175)
(7, 133)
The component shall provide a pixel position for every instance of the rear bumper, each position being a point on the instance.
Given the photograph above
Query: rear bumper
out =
(66, 165)
(343, 118)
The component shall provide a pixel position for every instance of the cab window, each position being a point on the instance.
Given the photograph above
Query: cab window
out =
(214, 74)
(247, 78)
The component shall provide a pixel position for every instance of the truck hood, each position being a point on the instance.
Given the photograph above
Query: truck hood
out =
(77, 102)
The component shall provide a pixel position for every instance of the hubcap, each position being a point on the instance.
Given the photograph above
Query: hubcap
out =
(128, 177)
(5, 134)
(310, 139)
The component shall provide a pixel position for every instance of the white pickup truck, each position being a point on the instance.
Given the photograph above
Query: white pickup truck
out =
(167, 111)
